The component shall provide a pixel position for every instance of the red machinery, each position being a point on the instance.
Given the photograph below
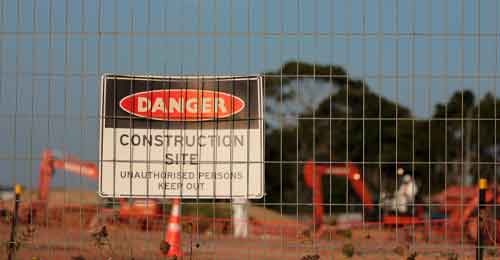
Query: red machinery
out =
(313, 173)
(461, 203)
(50, 163)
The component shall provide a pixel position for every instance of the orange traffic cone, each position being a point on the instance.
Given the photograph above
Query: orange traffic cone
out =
(173, 236)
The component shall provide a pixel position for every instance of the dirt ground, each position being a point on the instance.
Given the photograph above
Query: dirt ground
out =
(125, 243)
(66, 236)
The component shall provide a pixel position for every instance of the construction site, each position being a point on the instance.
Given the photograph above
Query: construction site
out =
(70, 224)
(308, 130)
(79, 223)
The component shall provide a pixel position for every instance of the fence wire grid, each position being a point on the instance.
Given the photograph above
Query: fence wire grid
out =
(380, 121)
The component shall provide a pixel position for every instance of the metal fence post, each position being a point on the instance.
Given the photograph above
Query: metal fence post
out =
(483, 185)
(12, 241)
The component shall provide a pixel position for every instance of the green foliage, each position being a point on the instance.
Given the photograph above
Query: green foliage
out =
(338, 135)
(356, 124)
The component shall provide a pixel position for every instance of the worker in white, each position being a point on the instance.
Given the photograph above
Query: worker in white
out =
(405, 195)
(240, 217)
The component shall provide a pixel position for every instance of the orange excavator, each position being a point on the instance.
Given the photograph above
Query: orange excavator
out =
(52, 161)
(313, 173)
(139, 210)
(460, 204)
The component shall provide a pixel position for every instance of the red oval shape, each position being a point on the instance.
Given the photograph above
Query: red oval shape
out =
(182, 104)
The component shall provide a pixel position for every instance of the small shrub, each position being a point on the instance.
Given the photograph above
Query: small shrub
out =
(399, 250)
(452, 256)
(348, 250)
(345, 233)
(26, 235)
(310, 257)
(101, 237)
(412, 256)
(492, 252)
(164, 247)
(102, 242)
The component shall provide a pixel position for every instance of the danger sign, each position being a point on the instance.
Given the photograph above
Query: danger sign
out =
(182, 104)
(190, 137)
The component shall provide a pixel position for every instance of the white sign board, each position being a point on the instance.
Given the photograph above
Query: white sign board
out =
(188, 137)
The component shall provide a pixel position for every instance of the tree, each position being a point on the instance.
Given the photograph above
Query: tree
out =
(343, 126)
(472, 135)
(318, 112)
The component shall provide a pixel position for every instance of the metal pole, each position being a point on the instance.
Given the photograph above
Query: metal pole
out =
(12, 241)
(483, 185)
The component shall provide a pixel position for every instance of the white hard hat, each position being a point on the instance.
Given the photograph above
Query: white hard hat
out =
(407, 178)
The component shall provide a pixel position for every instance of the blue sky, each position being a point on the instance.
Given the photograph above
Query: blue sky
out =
(52, 53)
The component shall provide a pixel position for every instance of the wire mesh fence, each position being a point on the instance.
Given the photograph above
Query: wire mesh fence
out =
(380, 120)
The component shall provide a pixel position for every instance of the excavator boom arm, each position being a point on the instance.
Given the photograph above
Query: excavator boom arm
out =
(50, 163)
(313, 173)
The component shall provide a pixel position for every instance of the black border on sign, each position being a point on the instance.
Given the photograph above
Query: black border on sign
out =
(260, 94)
